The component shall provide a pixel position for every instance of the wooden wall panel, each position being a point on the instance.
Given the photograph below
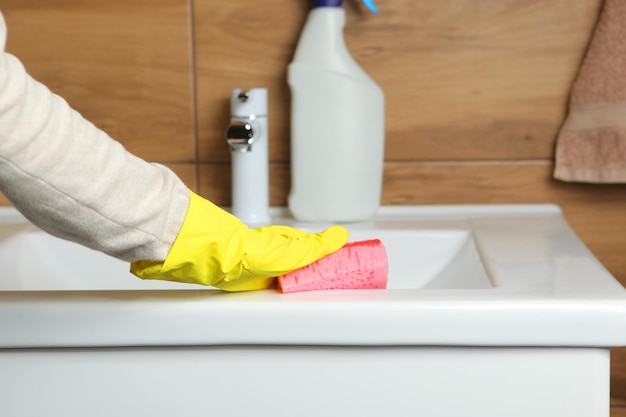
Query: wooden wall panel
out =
(474, 80)
(124, 64)
(463, 79)
(618, 378)
(243, 44)
(618, 412)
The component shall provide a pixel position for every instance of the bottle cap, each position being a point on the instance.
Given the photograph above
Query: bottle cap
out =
(337, 3)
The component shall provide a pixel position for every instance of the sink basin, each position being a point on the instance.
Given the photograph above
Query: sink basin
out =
(427, 259)
(34, 260)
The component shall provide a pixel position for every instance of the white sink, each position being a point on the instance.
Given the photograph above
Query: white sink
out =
(36, 261)
(485, 263)
(501, 307)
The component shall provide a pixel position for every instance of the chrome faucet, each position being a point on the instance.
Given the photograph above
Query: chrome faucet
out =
(248, 138)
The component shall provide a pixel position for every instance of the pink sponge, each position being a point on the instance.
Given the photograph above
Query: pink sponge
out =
(358, 265)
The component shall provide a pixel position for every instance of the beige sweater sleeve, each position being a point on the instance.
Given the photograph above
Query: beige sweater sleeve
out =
(74, 181)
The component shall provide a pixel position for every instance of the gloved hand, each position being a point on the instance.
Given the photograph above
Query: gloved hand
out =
(215, 248)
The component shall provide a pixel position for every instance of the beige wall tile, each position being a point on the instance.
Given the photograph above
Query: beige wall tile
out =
(124, 64)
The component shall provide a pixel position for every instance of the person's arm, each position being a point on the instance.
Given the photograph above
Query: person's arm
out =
(74, 181)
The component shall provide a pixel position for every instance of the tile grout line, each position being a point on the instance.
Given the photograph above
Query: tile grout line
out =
(194, 92)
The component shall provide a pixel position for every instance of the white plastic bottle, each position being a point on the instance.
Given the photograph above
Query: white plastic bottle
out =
(337, 125)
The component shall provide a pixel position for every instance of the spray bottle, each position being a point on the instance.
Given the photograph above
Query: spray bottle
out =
(337, 124)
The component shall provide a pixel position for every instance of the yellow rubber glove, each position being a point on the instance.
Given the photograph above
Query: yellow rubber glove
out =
(215, 248)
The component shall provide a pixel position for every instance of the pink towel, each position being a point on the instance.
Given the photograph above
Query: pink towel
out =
(591, 146)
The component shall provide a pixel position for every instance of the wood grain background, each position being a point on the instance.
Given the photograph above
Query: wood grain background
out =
(476, 92)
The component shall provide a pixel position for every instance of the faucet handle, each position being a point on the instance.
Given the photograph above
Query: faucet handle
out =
(240, 136)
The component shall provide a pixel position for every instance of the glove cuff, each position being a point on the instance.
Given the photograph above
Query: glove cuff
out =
(207, 250)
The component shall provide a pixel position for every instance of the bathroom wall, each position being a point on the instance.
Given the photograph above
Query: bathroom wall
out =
(476, 92)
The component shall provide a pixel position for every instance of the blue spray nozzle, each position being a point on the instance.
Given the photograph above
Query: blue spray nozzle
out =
(370, 5)
(337, 3)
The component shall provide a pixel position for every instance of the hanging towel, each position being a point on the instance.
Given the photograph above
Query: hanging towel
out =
(591, 146)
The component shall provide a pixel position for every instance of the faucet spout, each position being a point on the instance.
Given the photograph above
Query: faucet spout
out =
(247, 136)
